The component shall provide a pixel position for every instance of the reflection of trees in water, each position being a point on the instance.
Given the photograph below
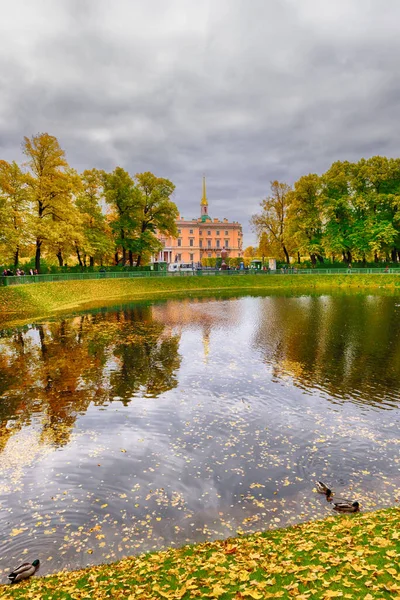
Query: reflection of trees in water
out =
(347, 346)
(55, 370)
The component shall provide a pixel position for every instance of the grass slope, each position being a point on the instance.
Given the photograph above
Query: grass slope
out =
(345, 556)
(46, 298)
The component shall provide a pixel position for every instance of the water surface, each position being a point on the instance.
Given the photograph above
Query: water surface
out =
(130, 429)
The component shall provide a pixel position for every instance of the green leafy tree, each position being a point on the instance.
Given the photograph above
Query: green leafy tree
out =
(123, 198)
(156, 213)
(334, 202)
(97, 241)
(375, 199)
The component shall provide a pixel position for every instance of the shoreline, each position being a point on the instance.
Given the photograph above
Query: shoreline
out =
(354, 554)
(18, 304)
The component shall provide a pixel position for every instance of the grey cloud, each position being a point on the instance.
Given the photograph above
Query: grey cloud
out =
(244, 91)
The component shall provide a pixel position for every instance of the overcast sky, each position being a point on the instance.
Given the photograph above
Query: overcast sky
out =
(246, 91)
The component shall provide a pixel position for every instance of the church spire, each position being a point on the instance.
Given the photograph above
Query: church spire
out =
(204, 201)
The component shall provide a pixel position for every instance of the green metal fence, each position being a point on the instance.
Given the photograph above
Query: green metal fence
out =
(26, 279)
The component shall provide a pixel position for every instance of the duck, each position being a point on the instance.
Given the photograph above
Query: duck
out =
(24, 571)
(346, 506)
(323, 489)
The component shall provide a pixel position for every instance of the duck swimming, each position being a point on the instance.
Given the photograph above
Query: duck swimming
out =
(346, 506)
(323, 489)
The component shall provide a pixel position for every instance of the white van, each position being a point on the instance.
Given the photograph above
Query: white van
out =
(175, 267)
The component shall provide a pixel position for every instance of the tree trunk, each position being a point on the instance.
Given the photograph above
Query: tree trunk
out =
(139, 260)
(298, 257)
(320, 258)
(394, 255)
(84, 260)
(344, 256)
(123, 248)
(130, 258)
(364, 260)
(116, 258)
(37, 255)
(313, 259)
(78, 254)
(287, 259)
(91, 261)
(60, 259)
(376, 257)
(16, 257)
(349, 257)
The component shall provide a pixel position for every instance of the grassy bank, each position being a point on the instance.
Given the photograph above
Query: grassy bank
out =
(38, 300)
(345, 556)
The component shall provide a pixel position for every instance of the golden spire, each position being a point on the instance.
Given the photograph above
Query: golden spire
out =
(204, 201)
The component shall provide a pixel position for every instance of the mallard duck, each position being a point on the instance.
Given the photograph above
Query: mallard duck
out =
(24, 571)
(323, 489)
(346, 506)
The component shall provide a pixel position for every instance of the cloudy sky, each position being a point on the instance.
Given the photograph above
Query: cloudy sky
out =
(245, 91)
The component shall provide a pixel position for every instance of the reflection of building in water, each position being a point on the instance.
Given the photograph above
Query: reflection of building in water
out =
(206, 342)
(199, 313)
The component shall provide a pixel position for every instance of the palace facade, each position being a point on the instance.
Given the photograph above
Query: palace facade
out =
(202, 238)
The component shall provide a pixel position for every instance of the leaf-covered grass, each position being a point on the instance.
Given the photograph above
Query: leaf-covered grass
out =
(46, 298)
(345, 556)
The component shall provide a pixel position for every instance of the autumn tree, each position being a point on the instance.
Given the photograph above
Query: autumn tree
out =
(96, 241)
(273, 219)
(14, 211)
(156, 213)
(305, 218)
(250, 252)
(52, 186)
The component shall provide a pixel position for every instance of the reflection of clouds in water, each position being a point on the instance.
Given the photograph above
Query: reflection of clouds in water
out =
(20, 452)
(219, 446)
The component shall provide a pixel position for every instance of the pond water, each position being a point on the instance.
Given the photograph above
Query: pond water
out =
(135, 428)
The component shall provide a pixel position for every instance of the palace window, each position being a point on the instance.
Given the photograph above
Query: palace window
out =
(201, 243)
(226, 233)
(179, 242)
(217, 232)
(179, 231)
(208, 232)
(191, 231)
(209, 255)
(208, 243)
(218, 242)
(200, 232)
(191, 257)
(226, 243)
(191, 242)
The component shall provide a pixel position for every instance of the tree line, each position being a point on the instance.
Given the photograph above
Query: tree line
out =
(48, 209)
(350, 213)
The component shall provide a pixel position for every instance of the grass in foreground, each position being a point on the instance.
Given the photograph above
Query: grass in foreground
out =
(43, 299)
(345, 556)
